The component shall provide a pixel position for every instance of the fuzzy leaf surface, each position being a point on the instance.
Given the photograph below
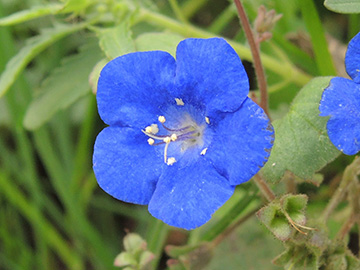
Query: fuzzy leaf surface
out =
(301, 142)
(63, 87)
(343, 6)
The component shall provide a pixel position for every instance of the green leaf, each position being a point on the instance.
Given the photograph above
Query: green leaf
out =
(274, 219)
(343, 6)
(314, 26)
(63, 87)
(158, 41)
(34, 12)
(76, 5)
(301, 142)
(295, 206)
(249, 247)
(33, 47)
(116, 41)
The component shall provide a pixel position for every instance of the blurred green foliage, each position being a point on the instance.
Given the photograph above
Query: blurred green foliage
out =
(52, 213)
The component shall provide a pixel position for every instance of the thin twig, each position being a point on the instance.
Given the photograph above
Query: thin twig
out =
(264, 188)
(347, 227)
(259, 69)
(350, 172)
(232, 227)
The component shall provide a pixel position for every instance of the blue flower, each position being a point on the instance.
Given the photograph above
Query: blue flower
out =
(182, 134)
(341, 101)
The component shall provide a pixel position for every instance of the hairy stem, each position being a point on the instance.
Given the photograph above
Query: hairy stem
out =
(349, 174)
(259, 69)
(232, 227)
(264, 188)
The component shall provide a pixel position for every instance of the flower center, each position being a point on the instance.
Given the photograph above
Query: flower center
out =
(188, 134)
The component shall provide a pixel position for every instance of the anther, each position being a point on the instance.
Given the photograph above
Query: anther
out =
(171, 161)
(162, 119)
(173, 137)
(167, 139)
(207, 120)
(203, 152)
(179, 102)
(150, 141)
(148, 129)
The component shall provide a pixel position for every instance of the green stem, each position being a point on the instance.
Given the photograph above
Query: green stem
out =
(264, 188)
(229, 217)
(191, 7)
(222, 20)
(354, 22)
(349, 175)
(284, 69)
(233, 227)
(176, 9)
(33, 214)
(156, 240)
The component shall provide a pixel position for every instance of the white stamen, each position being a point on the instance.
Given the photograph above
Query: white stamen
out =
(148, 129)
(207, 120)
(179, 102)
(150, 141)
(167, 139)
(173, 137)
(154, 128)
(171, 161)
(203, 152)
(165, 151)
(162, 119)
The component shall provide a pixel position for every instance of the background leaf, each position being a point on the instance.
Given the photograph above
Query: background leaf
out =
(29, 14)
(301, 142)
(343, 6)
(64, 86)
(116, 41)
(33, 47)
(158, 41)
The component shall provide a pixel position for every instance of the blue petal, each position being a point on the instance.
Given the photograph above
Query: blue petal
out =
(352, 59)
(241, 143)
(210, 72)
(134, 87)
(187, 197)
(341, 101)
(125, 166)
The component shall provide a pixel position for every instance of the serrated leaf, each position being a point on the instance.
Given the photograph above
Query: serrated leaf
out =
(343, 6)
(63, 87)
(116, 41)
(29, 14)
(301, 142)
(32, 48)
(158, 41)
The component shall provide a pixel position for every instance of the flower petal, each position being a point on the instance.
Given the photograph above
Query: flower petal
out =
(352, 58)
(187, 197)
(125, 166)
(209, 71)
(134, 87)
(341, 101)
(241, 143)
